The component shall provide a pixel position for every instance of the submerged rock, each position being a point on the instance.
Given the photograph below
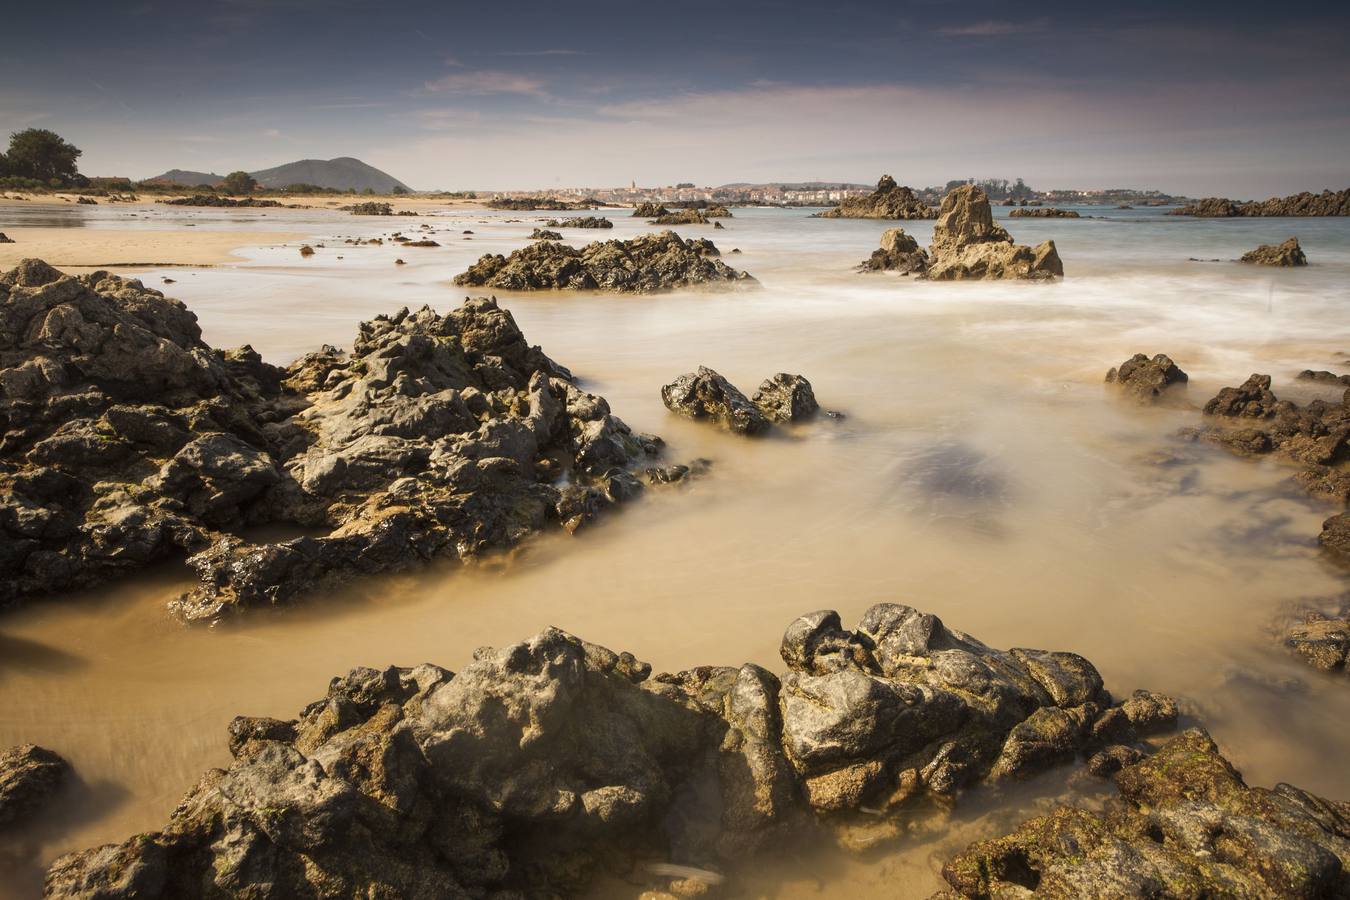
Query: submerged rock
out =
(647, 263)
(1186, 825)
(704, 394)
(1327, 203)
(786, 398)
(1046, 212)
(1320, 640)
(1147, 380)
(888, 201)
(29, 776)
(1288, 253)
(1324, 377)
(127, 440)
(540, 765)
(899, 252)
(969, 244)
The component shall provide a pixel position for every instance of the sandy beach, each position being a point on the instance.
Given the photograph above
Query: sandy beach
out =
(80, 248)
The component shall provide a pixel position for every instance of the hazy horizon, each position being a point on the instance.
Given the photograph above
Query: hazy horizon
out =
(1207, 100)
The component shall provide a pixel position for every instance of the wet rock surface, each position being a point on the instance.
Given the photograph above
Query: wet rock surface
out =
(580, 222)
(1147, 380)
(682, 217)
(786, 398)
(1321, 640)
(1287, 253)
(540, 765)
(644, 264)
(543, 234)
(704, 394)
(29, 776)
(526, 204)
(127, 440)
(649, 211)
(215, 200)
(969, 244)
(899, 252)
(888, 201)
(1185, 825)
(1327, 203)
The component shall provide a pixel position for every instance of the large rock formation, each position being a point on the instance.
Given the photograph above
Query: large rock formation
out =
(1327, 203)
(969, 244)
(704, 394)
(527, 204)
(1147, 380)
(29, 776)
(888, 201)
(542, 764)
(647, 263)
(899, 252)
(127, 440)
(649, 211)
(580, 222)
(216, 200)
(682, 217)
(1288, 253)
(1047, 212)
(1185, 826)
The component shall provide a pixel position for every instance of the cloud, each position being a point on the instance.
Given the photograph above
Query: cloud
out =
(557, 52)
(272, 133)
(487, 81)
(992, 28)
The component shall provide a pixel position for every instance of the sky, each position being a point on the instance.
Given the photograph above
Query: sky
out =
(1234, 99)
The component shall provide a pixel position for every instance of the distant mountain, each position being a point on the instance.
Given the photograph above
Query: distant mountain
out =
(190, 179)
(341, 174)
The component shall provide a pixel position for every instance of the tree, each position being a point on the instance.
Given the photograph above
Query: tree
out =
(400, 189)
(42, 154)
(239, 183)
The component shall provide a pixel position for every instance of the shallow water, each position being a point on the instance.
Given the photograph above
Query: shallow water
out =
(982, 473)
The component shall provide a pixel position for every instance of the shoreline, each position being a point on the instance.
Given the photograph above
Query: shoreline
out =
(106, 248)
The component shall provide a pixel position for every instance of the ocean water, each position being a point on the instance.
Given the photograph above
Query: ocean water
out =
(983, 473)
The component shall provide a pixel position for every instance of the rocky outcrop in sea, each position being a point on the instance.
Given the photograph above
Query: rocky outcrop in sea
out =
(543, 234)
(1327, 203)
(649, 211)
(969, 244)
(682, 217)
(704, 395)
(29, 777)
(216, 200)
(127, 440)
(539, 766)
(899, 252)
(526, 204)
(642, 265)
(1148, 380)
(1185, 825)
(1287, 253)
(888, 201)
(1046, 212)
(580, 222)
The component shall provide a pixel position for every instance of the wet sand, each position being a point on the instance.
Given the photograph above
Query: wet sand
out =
(79, 249)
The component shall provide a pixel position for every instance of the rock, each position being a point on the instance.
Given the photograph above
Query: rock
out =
(576, 222)
(399, 262)
(425, 242)
(649, 211)
(538, 766)
(1147, 380)
(1046, 212)
(786, 398)
(4, 239)
(86, 201)
(29, 776)
(540, 234)
(1335, 537)
(888, 201)
(306, 250)
(969, 244)
(127, 440)
(1327, 203)
(1288, 253)
(370, 208)
(526, 204)
(644, 264)
(1324, 377)
(683, 217)
(704, 394)
(1186, 825)
(899, 252)
(214, 200)
(1322, 641)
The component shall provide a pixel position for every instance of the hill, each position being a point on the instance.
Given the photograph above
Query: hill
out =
(341, 174)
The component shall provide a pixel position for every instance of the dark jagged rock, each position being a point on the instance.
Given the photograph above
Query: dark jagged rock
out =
(683, 217)
(526, 204)
(29, 776)
(1046, 212)
(214, 200)
(542, 234)
(1324, 377)
(1147, 380)
(1327, 203)
(888, 201)
(127, 440)
(5, 239)
(84, 200)
(541, 765)
(704, 394)
(786, 398)
(969, 244)
(1321, 640)
(370, 208)
(1185, 826)
(649, 211)
(424, 242)
(1335, 536)
(577, 222)
(1288, 253)
(646, 263)
(899, 252)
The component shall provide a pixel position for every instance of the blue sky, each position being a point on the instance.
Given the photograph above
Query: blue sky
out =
(1240, 99)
